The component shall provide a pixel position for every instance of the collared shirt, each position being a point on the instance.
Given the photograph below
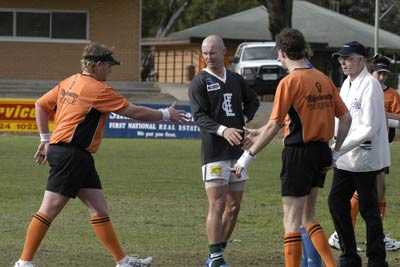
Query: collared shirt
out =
(217, 103)
(81, 105)
(366, 146)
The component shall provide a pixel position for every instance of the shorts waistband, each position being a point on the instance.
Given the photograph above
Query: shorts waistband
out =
(63, 144)
(311, 143)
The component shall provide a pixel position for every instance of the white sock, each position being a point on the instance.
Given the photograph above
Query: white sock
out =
(23, 262)
(124, 260)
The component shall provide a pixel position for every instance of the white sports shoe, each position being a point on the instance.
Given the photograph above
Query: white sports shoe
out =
(133, 261)
(391, 244)
(334, 241)
(21, 263)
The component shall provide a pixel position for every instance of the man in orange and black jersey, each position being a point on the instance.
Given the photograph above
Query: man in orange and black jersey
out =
(311, 102)
(80, 105)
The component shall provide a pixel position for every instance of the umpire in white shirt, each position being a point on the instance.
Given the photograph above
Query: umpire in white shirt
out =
(364, 153)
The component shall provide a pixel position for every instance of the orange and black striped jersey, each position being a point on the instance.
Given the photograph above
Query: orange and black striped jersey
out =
(392, 105)
(392, 100)
(306, 103)
(81, 105)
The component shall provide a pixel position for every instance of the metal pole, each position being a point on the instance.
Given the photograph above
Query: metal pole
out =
(376, 35)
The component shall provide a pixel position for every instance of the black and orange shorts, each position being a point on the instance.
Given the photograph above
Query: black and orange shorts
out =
(304, 166)
(71, 169)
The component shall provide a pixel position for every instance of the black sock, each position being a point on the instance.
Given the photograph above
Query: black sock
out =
(224, 244)
(216, 248)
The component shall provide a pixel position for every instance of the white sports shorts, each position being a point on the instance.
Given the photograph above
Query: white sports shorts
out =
(221, 173)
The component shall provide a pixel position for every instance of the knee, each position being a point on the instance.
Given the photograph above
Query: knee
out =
(217, 205)
(98, 213)
(232, 209)
(334, 202)
(370, 212)
(51, 209)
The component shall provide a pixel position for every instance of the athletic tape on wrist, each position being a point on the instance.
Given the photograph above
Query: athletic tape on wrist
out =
(165, 114)
(245, 159)
(45, 137)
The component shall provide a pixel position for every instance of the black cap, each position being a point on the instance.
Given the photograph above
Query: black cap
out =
(98, 52)
(381, 63)
(103, 58)
(350, 48)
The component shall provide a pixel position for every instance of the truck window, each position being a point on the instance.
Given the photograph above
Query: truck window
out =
(259, 53)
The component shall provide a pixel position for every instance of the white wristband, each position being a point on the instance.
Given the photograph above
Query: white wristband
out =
(45, 137)
(245, 159)
(393, 123)
(165, 114)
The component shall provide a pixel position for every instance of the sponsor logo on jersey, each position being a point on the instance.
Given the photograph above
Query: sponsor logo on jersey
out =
(213, 87)
(355, 104)
(227, 105)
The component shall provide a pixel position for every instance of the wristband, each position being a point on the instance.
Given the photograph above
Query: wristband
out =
(393, 123)
(165, 114)
(45, 137)
(245, 159)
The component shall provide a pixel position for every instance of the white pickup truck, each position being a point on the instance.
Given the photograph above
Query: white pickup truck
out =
(257, 63)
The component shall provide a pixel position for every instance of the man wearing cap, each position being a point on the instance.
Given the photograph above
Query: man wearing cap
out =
(80, 105)
(364, 153)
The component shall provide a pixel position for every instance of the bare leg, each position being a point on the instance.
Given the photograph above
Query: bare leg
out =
(231, 212)
(216, 200)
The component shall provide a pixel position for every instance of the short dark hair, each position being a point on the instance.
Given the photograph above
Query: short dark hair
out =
(292, 42)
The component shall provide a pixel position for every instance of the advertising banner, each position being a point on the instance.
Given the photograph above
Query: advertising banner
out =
(120, 126)
(17, 115)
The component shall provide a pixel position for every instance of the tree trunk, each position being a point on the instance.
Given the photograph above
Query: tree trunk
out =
(175, 11)
(280, 15)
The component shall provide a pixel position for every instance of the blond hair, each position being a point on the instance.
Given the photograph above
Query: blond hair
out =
(90, 51)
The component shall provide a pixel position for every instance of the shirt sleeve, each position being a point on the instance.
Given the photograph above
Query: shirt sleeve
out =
(200, 106)
(250, 101)
(395, 103)
(372, 107)
(109, 100)
(282, 102)
(49, 100)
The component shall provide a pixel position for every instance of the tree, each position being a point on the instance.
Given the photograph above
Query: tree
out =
(280, 15)
(160, 17)
(364, 10)
(173, 12)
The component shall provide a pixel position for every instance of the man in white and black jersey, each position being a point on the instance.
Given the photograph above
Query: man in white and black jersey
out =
(221, 105)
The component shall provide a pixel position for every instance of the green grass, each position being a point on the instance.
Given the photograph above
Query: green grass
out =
(158, 206)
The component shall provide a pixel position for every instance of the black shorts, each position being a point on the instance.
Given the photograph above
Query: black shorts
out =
(71, 168)
(304, 166)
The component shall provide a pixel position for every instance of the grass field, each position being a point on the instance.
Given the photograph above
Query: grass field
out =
(158, 206)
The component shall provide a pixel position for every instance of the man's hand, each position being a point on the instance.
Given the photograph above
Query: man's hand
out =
(243, 162)
(233, 136)
(249, 137)
(177, 115)
(335, 157)
(40, 156)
